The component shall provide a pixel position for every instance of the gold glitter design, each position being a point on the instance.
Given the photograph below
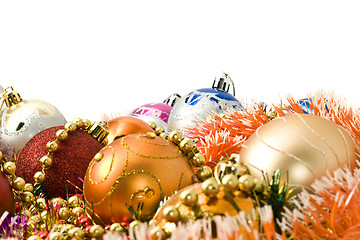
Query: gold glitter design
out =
(93, 162)
(111, 165)
(122, 177)
(147, 192)
(181, 178)
(123, 174)
(126, 146)
(141, 138)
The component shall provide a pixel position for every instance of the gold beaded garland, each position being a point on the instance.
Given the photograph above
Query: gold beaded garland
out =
(26, 197)
(96, 231)
(77, 211)
(210, 187)
(189, 198)
(9, 168)
(204, 173)
(28, 188)
(39, 177)
(76, 233)
(158, 233)
(41, 204)
(74, 201)
(172, 214)
(18, 184)
(159, 130)
(175, 137)
(186, 146)
(46, 162)
(198, 160)
(64, 213)
(230, 182)
(246, 183)
(55, 236)
(117, 227)
(61, 134)
(52, 146)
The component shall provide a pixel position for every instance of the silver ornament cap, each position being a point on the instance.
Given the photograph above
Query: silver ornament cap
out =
(172, 99)
(223, 83)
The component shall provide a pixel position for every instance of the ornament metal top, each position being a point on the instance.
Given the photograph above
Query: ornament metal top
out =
(156, 112)
(201, 103)
(20, 120)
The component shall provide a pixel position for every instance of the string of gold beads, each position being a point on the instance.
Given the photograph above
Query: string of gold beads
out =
(188, 148)
(52, 146)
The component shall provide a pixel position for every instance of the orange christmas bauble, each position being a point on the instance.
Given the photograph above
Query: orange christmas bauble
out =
(123, 126)
(134, 172)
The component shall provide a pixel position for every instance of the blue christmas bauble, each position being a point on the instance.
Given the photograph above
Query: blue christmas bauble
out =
(304, 103)
(198, 105)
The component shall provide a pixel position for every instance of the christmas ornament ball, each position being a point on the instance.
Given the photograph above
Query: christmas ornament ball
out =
(199, 104)
(157, 112)
(154, 112)
(22, 119)
(126, 125)
(304, 146)
(134, 170)
(204, 206)
(7, 202)
(70, 161)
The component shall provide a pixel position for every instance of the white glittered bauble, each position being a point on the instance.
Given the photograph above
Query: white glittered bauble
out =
(21, 121)
(198, 105)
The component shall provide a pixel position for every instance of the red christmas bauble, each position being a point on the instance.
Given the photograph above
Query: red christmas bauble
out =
(7, 202)
(70, 161)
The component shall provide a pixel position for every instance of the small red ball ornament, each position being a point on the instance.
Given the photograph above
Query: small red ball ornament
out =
(69, 161)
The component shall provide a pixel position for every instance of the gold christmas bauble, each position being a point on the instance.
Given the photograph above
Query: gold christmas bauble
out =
(134, 172)
(303, 146)
(201, 207)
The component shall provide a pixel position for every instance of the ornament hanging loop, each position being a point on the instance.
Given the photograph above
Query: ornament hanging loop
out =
(223, 83)
(10, 97)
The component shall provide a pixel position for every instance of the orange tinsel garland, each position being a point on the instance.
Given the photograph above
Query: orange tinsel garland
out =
(332, 211)
(239, 126)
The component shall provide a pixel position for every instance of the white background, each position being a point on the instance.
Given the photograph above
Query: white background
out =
(88, 58)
